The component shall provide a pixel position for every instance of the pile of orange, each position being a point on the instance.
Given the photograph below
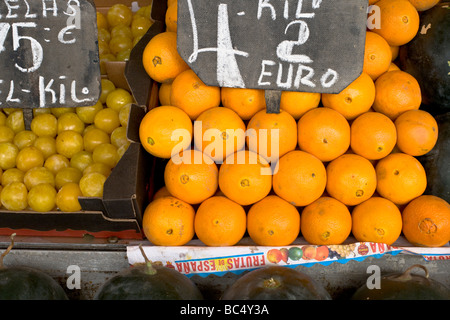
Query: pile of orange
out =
(337, 165)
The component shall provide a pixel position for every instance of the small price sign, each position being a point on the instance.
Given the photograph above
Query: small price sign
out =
(282, 45)
(48, 54)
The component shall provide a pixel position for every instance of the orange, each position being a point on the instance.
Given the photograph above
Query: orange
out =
(300, 178)
(324, 132)
(221, 132)
(273, 221)
(170, 2)
(161, 59)
(417, 132)
(423, 5)
(220, 222)
(351, 179)
(245, 177)
(272, 135)
(190, 94)
(245, 102)
(298, 103)
(393, 67)
(400, 178)
(377, 55)
(399, 21)
(373, 135)
(354, 100)
(394, 51)
(171, 17)
(376, 220)
(164, 93)
(396, 92)
(426, 221)
(168, 221)
(162, 192)
(191, 177)
(326, 221)
(165, 130)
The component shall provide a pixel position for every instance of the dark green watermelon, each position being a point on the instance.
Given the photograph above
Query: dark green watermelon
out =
(406, 286)
(436, 161)
(23, 283)
(427, 58)
(145, 281)
(275, 283)
(137, 283)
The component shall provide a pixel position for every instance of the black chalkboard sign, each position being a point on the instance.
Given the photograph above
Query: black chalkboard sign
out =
(290, 45)
(48, 54)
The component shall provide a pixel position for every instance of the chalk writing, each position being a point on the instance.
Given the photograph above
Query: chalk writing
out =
(273, 45)
(54, 54)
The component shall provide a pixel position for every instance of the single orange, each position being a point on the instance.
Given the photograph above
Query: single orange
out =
(324, 132)
(426, 221)
(298, 103)
(423, 5)
(220, 222)
(393, 67)
(354, 100)
(377, 55)
(272, 135)
(164, 93)
(300, 178)
(244, 101)
(161, 59)
(219, 132)
(273, 221)
(417, 132)
(168, 221)
(399, 21)
(400, 178)
(162, 192)
(190, 94)
(170, 2)
(376, 220)
(351, 179)
(245, 177)
(165, 130)
(394, 51)
(171, 17)
(326, 221)
(373, 135)
(192, 176)
(396, 92)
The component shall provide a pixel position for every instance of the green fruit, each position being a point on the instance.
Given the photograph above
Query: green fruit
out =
(149, 282)
(25, 283)
(295, 253)
(276, 283)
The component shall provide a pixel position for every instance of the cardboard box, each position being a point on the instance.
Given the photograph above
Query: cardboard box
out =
(127, 190)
